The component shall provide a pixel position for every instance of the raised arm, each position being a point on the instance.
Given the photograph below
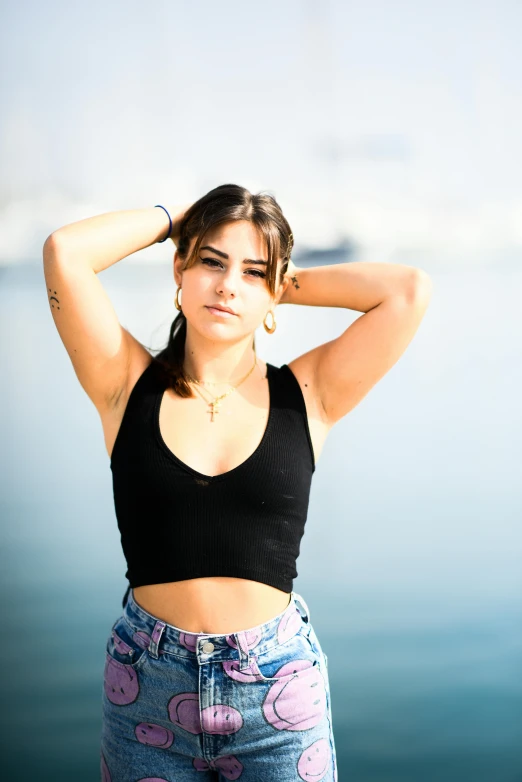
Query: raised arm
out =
(394, 299)
(100, 349)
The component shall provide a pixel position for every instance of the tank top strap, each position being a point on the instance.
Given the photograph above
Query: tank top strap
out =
(139, 408)
(287, 394)
(149, 383)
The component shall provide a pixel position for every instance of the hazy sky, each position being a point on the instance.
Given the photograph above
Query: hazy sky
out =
(397, 124)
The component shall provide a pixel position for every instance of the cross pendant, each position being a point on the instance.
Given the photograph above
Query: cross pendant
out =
(215, 409)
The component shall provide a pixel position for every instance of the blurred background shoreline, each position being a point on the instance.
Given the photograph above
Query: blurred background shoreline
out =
(388, 132)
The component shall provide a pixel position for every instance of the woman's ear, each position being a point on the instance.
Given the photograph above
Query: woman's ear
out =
(282, 288)
(177, 268)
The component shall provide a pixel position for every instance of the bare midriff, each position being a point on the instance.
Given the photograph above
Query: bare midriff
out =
(212, 605)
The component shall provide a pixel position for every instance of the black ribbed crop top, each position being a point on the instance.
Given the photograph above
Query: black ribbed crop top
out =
(176, 523)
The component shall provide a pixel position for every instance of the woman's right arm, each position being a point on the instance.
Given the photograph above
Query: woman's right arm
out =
(101, 350)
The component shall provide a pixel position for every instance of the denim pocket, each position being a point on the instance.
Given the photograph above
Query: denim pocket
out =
(285, 661)
(125, 645)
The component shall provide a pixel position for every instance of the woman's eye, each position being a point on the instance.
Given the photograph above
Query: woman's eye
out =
(254, 272)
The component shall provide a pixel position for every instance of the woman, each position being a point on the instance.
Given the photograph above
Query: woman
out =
(214, 671)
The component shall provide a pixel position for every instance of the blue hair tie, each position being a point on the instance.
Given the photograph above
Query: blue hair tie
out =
(160, 241)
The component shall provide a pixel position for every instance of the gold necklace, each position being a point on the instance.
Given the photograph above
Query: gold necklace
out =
(216, 400)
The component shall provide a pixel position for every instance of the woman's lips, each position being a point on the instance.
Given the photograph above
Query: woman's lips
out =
(220, 313)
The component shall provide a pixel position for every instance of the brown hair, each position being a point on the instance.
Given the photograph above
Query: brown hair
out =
(223, 204)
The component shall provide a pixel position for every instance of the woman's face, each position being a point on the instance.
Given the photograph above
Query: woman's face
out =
(235, 281)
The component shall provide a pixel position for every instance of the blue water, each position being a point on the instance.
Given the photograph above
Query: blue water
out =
(410, 564)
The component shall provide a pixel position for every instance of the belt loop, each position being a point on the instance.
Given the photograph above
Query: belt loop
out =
(242, 645)
(300, 600)
(155, 639)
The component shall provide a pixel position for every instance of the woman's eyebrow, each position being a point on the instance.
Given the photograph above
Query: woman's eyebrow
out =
(224, 255)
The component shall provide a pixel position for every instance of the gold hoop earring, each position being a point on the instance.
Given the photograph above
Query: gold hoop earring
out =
(176, 299)
(274, 324)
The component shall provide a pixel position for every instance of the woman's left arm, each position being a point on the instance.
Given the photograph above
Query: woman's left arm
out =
(393, 298)
(359, 285)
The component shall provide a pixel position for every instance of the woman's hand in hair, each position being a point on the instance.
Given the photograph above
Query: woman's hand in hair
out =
(177, 214)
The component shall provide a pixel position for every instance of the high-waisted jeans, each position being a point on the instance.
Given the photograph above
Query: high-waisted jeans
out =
(252, 705)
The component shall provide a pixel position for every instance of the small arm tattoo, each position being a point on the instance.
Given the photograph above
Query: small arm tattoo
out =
(56, 300)
(294, 280)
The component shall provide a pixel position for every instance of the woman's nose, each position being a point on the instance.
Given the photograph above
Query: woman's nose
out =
(228, 282)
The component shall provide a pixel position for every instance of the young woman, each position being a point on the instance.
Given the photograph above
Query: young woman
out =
(214, 671)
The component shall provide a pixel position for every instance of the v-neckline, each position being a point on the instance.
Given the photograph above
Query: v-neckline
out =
(222, 475)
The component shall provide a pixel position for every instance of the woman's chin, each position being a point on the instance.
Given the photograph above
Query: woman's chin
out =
(216, 330)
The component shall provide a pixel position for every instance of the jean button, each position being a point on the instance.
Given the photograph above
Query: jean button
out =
(208, 647)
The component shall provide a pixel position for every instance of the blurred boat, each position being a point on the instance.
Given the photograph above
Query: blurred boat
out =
(342, 252)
